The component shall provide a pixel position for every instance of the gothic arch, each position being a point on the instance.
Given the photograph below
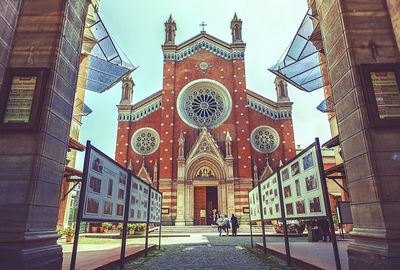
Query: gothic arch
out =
(216, 165)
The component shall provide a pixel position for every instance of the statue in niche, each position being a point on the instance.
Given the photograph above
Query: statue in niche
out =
(228, 144)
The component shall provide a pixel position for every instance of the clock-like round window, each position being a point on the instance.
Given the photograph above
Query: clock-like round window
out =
(145, 141)
(264, 139)
(204, 103)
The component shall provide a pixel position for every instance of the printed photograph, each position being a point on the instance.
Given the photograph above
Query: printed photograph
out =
(285, 174)
(94, 184)
(110, 188)
(298, 190)
(275, 192)
(107, 208)
(289, 209)
(120, 210)
(139, 214)
(308, 161)
(268, 185)
(97, 165)
(277, 209)
(295, 167)
(121, 194)
(133, 200)
(134, 186)
(132, 213)
(311, 182)
(315, 205)
(265, 211)
(287, 191)
(145, 191)
(273, 180)
(92, 206)
(270, 211)
(270, 192)
(300, 209)
(122, 178)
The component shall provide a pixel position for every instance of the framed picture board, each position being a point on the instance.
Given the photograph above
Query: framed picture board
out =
(381, 87)
(21, 98)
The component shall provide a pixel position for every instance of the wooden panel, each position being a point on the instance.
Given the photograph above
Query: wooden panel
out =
(199, 203)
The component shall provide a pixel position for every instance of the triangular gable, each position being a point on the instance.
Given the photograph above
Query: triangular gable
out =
(144, 174)
(205, 144)
(204, 41)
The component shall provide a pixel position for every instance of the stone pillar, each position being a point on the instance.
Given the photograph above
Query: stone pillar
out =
(370, 154)
(180, 207)
(47, 34)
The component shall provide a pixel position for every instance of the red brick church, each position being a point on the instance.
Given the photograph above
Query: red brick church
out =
(204, 139)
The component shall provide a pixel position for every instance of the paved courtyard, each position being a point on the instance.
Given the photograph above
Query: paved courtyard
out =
(209, 252)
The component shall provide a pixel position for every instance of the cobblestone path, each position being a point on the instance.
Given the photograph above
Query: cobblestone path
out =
(217, 253)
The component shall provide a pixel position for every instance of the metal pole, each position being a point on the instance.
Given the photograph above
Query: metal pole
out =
(125, 223)
(251, 228)
(146, 245)
(287, 247)
(159, 233)
(327, 206)
(262, 219)
(80, 206)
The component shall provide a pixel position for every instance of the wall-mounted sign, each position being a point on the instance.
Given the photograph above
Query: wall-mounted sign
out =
(381, 85)
(21, 98)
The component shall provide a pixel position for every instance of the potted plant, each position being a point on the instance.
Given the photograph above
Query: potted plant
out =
(120, 227)
(131, 228)
(94, 228)
(106, 226)
(139, 229)
(69, 234)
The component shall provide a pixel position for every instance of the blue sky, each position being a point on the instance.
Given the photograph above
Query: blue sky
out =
(138, 28)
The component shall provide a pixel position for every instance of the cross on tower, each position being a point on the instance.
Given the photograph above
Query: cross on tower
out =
(203, 24)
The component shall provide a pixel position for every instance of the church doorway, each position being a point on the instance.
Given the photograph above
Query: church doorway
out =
(205, 200)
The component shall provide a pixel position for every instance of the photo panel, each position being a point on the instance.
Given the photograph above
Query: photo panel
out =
(270, 198)
(302, 188)
(155, 206)
(138, 201)
(105, 184)
(254, 205)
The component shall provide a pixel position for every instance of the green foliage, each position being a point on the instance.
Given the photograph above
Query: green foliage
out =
(69, 231)
(120, 227)
(131, 226)
(335, 218)
(140, 227)
(106, 225)
(59, 229)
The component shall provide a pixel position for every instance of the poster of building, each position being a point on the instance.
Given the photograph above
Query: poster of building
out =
(19, 104)
(138, 203)
(387, 93)
(155, 206)
(301, 186)
(270, 198)
(106, 186)
(254, 204)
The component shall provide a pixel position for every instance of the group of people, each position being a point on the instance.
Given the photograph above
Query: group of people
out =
(225, 223)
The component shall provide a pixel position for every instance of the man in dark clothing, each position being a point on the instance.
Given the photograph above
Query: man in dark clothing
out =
(323, 226)
(235, 225)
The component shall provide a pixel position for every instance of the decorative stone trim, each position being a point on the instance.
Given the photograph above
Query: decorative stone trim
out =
(267, 110)
(140, 112)
(204, 44)
(264, 139)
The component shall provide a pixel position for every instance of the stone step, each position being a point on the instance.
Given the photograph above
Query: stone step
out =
(212, 229)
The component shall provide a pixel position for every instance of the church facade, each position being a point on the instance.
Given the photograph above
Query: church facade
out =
(204, 139)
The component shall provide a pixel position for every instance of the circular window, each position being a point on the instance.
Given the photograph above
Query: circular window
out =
(145, 141)
(264, 139)
(204, 103)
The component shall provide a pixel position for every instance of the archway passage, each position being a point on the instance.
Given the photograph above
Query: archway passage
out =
(205, 200)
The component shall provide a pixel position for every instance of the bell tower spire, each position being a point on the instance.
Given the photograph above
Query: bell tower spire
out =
(236, 26)
(127, 90)
(170, 28)
(281, 90)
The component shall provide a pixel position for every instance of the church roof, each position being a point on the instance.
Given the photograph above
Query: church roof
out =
(267, 107)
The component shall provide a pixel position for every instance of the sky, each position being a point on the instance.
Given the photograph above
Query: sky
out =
(137, 27)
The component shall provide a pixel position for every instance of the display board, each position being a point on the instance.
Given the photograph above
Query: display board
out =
(254, 204)
(155, 206)
(106, 186)
(344, 213)
(270, 198)
(301, 186)
(138, 203)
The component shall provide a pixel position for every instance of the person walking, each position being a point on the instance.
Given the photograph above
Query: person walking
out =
(227, 225)
(323, 226)
(235, 225)
(220, 223)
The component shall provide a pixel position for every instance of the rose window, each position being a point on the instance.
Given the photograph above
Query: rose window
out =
(264, 139)
(205, 103)
(145, 141)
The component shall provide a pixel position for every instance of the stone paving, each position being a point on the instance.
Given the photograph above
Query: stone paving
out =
(210, 252)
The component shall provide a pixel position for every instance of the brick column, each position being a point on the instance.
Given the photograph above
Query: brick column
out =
(49, 33)
(370, 153)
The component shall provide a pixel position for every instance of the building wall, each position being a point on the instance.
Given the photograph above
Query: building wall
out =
(372, 172)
